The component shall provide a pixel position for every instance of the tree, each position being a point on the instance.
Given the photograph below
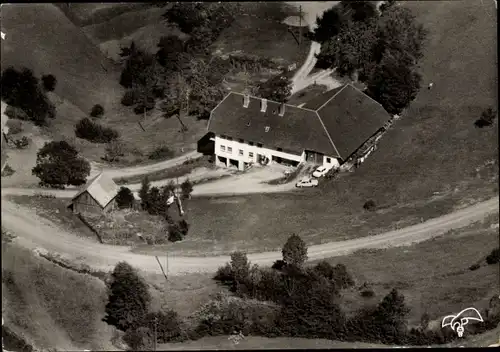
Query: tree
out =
(329, 24)
(183, 227)
(114, 150)
(58, 164)
(295, 251)
(168, 53)
(487, 118)
(277, 88)
(94, 132)
(360, 11)
(186, 189)
(129, 298)
(390, 318)
(187, 16)
(156, 203)
(144, 192)
(49, 82)
(97, 111)
(125, 198)
(394, 85)
(240, 268)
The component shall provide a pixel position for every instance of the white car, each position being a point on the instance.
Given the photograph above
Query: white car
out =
(320, 171)
(307, 182)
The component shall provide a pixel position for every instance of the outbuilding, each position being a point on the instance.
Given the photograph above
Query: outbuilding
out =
(97, 196)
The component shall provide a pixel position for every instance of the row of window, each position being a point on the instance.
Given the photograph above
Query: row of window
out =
(240, 140)
(230, 150)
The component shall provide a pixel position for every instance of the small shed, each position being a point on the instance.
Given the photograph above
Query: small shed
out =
(97, 196)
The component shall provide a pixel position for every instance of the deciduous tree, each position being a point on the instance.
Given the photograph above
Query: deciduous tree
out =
(277, 88)
(58, 164)
(129, 298)
(125, 198)
(144, 192)
(295, 251)
(49, 82)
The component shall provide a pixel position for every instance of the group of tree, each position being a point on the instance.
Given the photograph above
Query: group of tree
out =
(58, 164)
(95, 132)
(380, 48)
(21, 89)
(310, 304)
(155, 200)
(277, 88)
(129, 310)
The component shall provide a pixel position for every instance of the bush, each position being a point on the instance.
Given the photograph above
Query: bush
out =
(369, 205)
(140, 339)
(295, 251)
(186, 189)
(21, 143)
(161, 153)
(16, 113)
(224, 274)
(167, 325)
(142, 107)
(97, 111)
(493, 257)
(58, 164)
(367, 293)
(144, 192)
(94, 132)
(129, 298)
(474, 267)
(177, 232)
(279, 265)
(487, 118)
(15, 126)
(125, 198)
(129, 98)
(49, 82)
(7, 171)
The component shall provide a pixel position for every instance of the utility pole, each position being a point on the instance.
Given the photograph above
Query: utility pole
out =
(300, 26)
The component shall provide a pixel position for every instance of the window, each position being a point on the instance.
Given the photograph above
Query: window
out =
(222, 148)
(279, 149)
(259, 145)
(229, 149)
(267, 128)
(241, 140)
(328, 160)
(222, 136)
(250, 154)
(229, 138)
(240, 152)
(250, 143)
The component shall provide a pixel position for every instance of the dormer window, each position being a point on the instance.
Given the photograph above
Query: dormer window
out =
(267, 128)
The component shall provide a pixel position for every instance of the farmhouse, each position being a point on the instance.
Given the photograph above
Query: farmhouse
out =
(97, 196)
(326, 131)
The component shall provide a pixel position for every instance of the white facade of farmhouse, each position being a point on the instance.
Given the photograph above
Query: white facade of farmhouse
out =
(241, 154)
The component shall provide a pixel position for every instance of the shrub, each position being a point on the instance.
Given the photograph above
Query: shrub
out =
(94, 132)
(114, 150)
(183, 227)
(224, 274)
(16, 113)
(129, 98)
(167, 324)
(295, 251)
(143, 107)
(15, 126)
(487, 118)
(174, 233)
(367, 293)
(21, 143)
(7, 171)
(369, 205)
(279, 265)
(474, 267)
(341, 277)
(49, 82)
(144, 192)
(97, 111)
(140, 339)
(129, 298)
(58, 164)
(162, 152)
(125, 198)
(493, 257)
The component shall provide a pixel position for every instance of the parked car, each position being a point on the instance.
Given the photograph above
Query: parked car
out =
(307, 182)
(321, 171)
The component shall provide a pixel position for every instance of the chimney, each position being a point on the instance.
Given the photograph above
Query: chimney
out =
(282, 109)
(263, 105)
(246, 101)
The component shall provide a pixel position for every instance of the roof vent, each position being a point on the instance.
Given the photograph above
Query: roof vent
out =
(267, 128)
(282, 109)
(246, 101)
(263, 105)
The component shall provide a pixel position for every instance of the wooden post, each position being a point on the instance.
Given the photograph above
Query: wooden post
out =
(300, 26)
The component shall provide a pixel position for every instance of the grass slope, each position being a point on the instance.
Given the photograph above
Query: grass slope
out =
(52, 307)
(42, 38)
(435, 147)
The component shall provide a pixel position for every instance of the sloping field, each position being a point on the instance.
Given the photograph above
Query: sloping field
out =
(434, 147)
(51, 307)
(42, 38)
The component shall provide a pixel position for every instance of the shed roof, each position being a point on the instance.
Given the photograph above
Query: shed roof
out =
(102, 188)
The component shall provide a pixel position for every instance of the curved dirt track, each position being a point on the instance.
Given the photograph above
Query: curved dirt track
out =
(35, 232)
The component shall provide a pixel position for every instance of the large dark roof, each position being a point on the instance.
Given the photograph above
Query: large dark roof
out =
(297, 130)
(335, 123)
(351, 117)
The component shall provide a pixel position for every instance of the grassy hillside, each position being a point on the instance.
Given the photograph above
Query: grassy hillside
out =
(434, 147)
(42, 38)
(52, 307)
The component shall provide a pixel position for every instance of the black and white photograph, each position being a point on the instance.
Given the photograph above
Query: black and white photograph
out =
(253, 175)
